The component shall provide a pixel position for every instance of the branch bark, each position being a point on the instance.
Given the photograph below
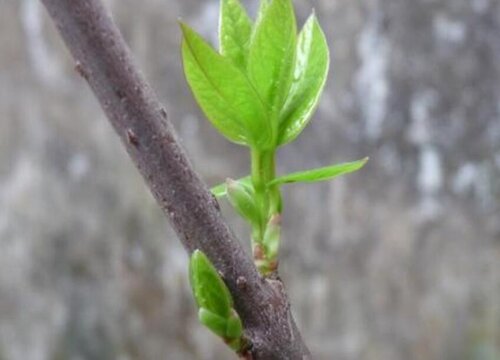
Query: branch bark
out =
(104, 60)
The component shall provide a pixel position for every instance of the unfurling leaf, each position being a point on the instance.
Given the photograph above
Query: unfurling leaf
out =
(210, 291)
(214, 322)
(214, 300)
(224, 93)
(242, 198)
(272, 237)
(221, 189)
(309, 77)
(271, 54)
(234, 328)
(235, 28)
(230, 329)
(321, 174)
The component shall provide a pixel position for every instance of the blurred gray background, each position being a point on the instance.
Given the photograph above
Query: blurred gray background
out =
(398, 261)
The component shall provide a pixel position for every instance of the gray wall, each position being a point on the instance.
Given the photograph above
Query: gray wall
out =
(399, 261)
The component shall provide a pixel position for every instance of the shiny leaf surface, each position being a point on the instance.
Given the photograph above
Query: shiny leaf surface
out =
(271, 54)
(321, 174)
(310, 73)
(235, 28)
(224, 93)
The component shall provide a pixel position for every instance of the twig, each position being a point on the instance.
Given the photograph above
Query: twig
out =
(104, 60)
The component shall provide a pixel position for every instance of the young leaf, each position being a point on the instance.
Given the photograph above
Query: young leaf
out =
(230, 329)
(234, 328)
(272, 237)
(272, 51)
(224, 93)
(235, 28)
(310, 73)
(221, 190)
(214, 322)
(209, 289)
(263, 5)
(243, 201)
(321, 174)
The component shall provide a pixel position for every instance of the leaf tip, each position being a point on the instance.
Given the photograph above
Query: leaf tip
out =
(196, 257)
(196, 253)
(361, 163)
(185, 28)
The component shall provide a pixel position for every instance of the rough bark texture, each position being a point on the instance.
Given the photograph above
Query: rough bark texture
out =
(103, 59)
(399, 261)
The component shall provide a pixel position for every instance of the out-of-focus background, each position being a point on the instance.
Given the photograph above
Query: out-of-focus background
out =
(398, 261)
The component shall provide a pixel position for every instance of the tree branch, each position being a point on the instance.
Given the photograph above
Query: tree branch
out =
(104, 60)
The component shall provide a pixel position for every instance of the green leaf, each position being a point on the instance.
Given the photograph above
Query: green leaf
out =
(229, 329)
(235, 28)
(321, 174)
(272, 51)
(214, 322)
(263, 5)
(234, 328)
(221, 190)
(271, 239)
(243, 200)
(214, 301)
(224, 93)
(209, 290)
(310, 73)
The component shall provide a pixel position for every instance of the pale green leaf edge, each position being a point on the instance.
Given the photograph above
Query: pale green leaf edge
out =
(199, 263)
(247, 133)
(221, 190)
(273, 91)
(290, 129)
(321, 174)
(235, 28)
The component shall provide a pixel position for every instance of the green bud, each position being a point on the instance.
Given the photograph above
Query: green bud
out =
(272, 237)
(214, 301)
(242, 199)
(217, 324)
(209, 290)
(229, 329)
(234, 328)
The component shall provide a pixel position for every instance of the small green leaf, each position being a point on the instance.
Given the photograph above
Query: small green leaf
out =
(214, 301)
(235, 28)
(321, 174)
(214, 322)
(310, 73)
(209, 289)
(243, 200)
(272, 51)
(224, 93)
(234, 328)
(230, 329)
(221, 190)
(271, 239)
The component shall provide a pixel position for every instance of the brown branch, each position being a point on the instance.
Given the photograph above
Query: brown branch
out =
(104, 60)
